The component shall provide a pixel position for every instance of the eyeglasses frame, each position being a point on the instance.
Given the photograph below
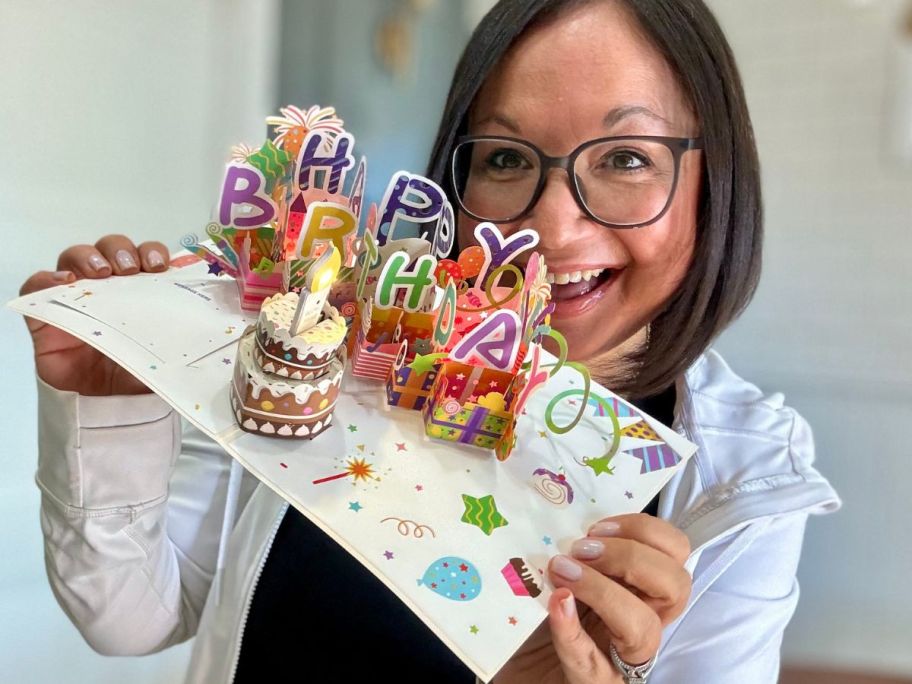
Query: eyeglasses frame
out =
(677, 146)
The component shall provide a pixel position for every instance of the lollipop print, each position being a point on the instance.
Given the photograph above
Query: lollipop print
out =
(553, 486)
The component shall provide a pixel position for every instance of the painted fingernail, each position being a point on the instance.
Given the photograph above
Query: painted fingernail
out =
(587, 549)
(604, 529)
(124, 259)
(155, 259)
(62, 276)
(98, 263)
(566, 568)
(568, 607)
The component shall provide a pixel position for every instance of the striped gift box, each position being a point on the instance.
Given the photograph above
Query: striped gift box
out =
(373, 359)
(254, 287)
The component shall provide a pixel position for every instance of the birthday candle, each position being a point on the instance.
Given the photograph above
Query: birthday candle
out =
(313, 295)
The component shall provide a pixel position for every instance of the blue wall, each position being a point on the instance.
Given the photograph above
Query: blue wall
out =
(328, 58)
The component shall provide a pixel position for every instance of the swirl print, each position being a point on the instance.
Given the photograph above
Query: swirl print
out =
(553, 486)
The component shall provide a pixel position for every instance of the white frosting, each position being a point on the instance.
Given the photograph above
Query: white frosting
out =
(259, 380)
(275, 319)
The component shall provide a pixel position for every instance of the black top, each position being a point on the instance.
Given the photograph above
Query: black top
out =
(319, 611)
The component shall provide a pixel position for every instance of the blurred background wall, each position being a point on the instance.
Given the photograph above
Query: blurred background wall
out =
(118, 117)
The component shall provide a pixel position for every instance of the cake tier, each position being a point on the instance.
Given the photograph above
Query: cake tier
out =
(300, 357)
(282, 407)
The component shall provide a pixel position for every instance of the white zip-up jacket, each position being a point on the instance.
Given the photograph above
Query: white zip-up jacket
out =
(152, 536)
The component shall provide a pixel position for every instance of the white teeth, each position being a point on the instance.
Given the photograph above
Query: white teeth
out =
(573, 276)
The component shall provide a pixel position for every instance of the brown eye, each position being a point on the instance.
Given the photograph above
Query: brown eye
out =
(507, 159)
(625, 160)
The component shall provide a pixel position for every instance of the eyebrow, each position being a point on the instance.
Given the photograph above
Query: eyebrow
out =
(612, 118)
(618, 114)
(501, 120)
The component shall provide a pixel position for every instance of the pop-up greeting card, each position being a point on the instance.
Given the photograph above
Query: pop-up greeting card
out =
(402, 446)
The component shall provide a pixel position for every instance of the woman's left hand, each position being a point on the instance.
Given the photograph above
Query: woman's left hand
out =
(629, 571)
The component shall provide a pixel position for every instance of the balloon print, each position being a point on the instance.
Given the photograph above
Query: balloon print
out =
(453, 578)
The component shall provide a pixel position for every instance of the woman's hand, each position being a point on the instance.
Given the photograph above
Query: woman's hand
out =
(62, 360)
(629, 572)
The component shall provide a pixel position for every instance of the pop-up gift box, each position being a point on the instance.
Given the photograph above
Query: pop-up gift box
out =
(471, 405)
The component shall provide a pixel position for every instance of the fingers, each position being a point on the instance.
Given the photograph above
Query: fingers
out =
(45, 279)
(114, 255)
(658, 579)
(121, 253)
(646, 529)
(153, 257)
(581, 659)
(634, 628)
(85, 262)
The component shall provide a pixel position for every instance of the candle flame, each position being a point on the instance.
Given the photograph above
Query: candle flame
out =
(324, 270)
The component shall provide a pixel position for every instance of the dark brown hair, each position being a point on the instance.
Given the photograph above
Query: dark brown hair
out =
(727, 254)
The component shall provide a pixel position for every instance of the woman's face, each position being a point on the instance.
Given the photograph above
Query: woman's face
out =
(592, 74)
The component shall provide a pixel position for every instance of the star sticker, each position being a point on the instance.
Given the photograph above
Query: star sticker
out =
(600, 465)
(400, 446)
(460, 376)
(353, 428)
(482, 513)
(418, 488)
(215, 268)
(226, 361)
(572, 402)
(97, 333)
(483, 315)
(542, 434)
(153, 367)
(512, 620)
(546, 541)
(629, 495)
(388, 554)
(354, 506)
(493, 384)
(360, 447)
(424, 363)
(473, 629)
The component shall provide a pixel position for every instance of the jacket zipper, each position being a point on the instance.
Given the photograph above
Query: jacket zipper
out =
(256, 579)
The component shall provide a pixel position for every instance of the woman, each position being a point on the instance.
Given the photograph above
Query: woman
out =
(618, 130)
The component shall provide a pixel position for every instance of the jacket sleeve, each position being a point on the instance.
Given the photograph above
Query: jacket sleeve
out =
(131, 512)
(745, 592)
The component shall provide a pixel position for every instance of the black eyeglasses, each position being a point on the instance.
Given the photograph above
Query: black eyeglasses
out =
(619, 182)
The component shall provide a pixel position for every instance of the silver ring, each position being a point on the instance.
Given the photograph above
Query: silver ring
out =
(632, 674)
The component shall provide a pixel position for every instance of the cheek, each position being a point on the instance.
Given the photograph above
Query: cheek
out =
(665, 250)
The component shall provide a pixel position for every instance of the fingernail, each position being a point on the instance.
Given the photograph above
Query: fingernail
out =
(604, 529)
(155, 258)
(62, 276)
(587, 549)
(568, 607)
(566, 568)
(98, 264)
(124, 259)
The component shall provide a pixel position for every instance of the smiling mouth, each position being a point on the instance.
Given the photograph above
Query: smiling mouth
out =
(567, 286)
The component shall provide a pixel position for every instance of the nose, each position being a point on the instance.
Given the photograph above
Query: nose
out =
(556, 215)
